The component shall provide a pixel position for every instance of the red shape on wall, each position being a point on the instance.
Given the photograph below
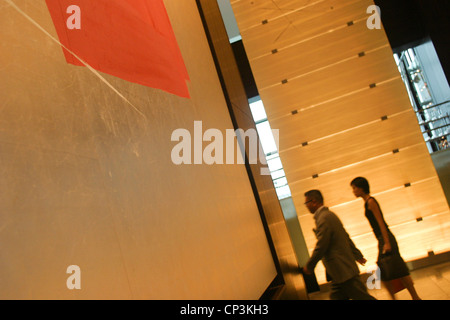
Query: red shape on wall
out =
(129, 39)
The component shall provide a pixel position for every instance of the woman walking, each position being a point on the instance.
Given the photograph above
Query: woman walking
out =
(387, 244)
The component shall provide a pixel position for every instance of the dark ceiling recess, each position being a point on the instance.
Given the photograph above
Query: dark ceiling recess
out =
(411, 22)
(245, 69)
(402, 22)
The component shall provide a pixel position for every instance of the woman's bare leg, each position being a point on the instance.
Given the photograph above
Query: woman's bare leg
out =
(390, 289)
(409, 284)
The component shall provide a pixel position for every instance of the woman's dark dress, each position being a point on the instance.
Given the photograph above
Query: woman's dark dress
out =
(402, 267)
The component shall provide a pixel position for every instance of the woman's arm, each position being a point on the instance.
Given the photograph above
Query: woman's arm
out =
(373, 206)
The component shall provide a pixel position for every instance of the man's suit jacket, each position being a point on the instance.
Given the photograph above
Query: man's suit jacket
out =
(334, 247)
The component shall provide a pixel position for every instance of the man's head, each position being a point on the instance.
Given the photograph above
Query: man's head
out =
(313, 200)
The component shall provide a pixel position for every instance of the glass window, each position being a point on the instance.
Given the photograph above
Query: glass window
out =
(267, 139)
(274, 164)
(278, 174)
(281, 182)
(433, 113)
(270, 148)
(283, 192)
(258, 111)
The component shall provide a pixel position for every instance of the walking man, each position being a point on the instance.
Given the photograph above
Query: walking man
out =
(337, 252)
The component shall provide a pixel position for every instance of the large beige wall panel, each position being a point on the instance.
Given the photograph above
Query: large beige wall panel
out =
(331, 86)
(87, 177)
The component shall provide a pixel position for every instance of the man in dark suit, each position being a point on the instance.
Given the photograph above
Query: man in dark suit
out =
(337, 252)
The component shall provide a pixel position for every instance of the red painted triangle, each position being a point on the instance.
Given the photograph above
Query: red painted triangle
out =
(129, 39)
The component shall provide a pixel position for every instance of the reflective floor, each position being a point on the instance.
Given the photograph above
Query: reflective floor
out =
(431, 283)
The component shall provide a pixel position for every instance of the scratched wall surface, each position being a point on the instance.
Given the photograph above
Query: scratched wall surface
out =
(86, 177)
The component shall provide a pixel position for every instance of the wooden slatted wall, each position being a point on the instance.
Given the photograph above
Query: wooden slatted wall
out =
(331, 86)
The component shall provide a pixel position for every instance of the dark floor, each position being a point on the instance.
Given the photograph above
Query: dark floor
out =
(431, 283)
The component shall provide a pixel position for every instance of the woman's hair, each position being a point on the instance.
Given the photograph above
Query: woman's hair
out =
(362, 183)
